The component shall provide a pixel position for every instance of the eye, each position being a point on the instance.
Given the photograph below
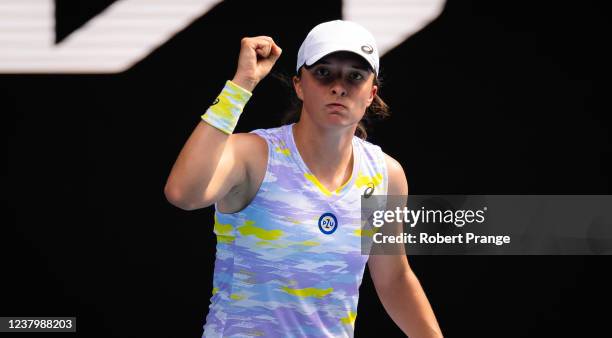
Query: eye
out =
(356, 76)
(321, 71)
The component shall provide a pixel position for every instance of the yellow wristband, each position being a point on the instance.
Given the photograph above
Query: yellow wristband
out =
(223, 114)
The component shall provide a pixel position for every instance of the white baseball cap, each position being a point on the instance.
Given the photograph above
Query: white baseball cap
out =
(335, 36)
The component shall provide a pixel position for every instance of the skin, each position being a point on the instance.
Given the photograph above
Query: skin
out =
(323, 134)
(214, 167)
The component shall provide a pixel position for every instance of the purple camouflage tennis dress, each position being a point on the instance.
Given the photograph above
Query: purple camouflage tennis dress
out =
(290, 263)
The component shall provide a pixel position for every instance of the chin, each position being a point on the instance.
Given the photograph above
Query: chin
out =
(337, 117)
(339, 120)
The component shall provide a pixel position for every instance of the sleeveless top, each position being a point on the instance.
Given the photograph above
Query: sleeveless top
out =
(290, 263)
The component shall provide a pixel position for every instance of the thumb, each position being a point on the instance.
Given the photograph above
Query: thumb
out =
(275, 52)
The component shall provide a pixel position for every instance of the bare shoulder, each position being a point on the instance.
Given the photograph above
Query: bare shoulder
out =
(248, 143)
(398, 183)
(251, 150)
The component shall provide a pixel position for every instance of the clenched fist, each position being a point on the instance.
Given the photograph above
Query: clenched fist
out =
(257, 56)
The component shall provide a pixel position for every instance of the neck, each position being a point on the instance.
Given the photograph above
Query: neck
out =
(327, 152)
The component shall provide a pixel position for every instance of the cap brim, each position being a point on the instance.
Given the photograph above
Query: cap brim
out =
(314, 58)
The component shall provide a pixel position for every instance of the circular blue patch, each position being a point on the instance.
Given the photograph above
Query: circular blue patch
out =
(328, 223)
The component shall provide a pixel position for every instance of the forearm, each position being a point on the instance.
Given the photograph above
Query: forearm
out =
(201, 155)
(406, 303)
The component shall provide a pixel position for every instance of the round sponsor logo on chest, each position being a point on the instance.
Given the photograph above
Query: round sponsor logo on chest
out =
(328, 223)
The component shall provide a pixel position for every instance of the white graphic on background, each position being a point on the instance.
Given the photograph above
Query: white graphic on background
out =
(127, 31)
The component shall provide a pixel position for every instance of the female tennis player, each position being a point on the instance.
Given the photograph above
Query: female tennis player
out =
(287, 199)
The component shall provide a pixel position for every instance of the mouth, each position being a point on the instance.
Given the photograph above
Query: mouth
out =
(336, 105)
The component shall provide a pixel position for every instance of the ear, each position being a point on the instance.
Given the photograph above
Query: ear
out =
(372, 94)
(297, 85)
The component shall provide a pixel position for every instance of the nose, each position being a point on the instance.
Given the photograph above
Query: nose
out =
(338, 88)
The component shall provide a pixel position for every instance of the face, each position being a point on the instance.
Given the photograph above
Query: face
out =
(336, 89)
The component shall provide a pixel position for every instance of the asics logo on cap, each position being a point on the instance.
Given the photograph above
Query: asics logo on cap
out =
(367, 49)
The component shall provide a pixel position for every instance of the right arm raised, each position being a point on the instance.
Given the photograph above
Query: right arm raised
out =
(207, 168)
(213, 162)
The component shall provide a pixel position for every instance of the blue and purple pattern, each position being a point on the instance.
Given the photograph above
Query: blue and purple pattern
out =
(277, 274)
